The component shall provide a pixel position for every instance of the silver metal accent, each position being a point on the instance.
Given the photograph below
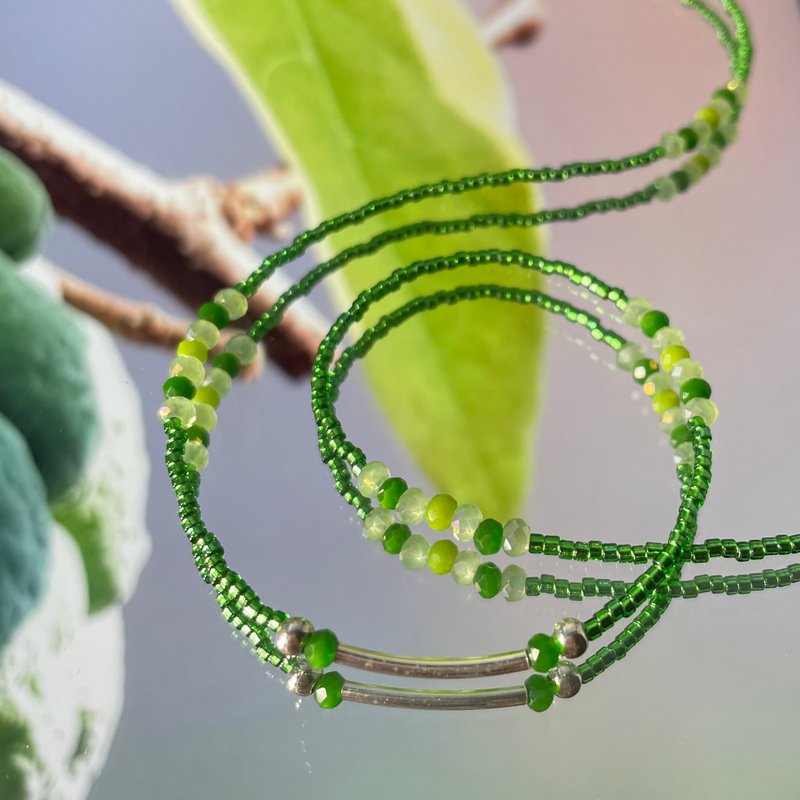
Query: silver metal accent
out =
(570, 633)
(433, 699)
(290, 634)
(566, 678)
(301, 680)
(411, 667)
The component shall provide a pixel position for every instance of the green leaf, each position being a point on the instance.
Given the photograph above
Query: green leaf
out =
(365, 98)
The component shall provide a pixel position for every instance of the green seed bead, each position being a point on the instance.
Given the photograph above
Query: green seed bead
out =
(440, 510)
(411, 506)
(187, 367)
(328, 690)
(391, 491)
(652, 322)
(514, 578)
(376, 523)
(672, 355)
(198, 433)
(202, 331)
(178, 386)
(205, 416)
(465, 522)
(218, 380)
(372, 477)
(702, 407)
(207, 395)
(228, 363)
(465, 566)
(194, 348)
(394, 537)
(544, 651)
(414, 554)
(180, 408)
(664, 400)
(643, 369)
(319, 648)
(695, 387)
(680, 435)
(441, 556)
(196, 455)
(637, 307)
(540, 692)
(233, 301)
(243, 347)
(215, 314)
(488, 580)
(489, 537)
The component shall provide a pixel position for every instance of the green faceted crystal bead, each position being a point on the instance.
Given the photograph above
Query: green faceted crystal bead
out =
(680, 435)
(232, 301)
(199, 434)
(179, 386)
(690, 137)
(376, 523)
(215, 314)
(681, 180)
(414, 554)
(394, 537)
(488, 580)
(695, 387)
(320, 648)
(544, 651)
(391, 491)
(440, 510)
(652, 322)
(488, 537)
(671, 355)
(541, 691)
(441, 556)
(189, 367)
(229, 363)
(643, 369)
(328, 689)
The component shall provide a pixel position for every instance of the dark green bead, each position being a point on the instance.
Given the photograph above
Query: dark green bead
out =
(198, 433)
(227, 362)
(540, 691)
(215, 314)
(728, 96)
(488, 537)
(179, 386)
(719, 139)
(394, 537)
(319, 648)
(544, 652)
(488, 580)
(695, 387)
(680, 435)
(652, 322)
(681, 180)
(689, 137)
(643, 369)
(328, 690)
(391, 491)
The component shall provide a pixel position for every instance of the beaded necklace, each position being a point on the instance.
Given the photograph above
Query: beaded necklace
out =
(674, 381)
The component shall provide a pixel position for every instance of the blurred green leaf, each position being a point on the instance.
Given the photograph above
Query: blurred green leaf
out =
(365, 98)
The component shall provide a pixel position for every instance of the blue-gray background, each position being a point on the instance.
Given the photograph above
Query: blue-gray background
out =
(707, 706)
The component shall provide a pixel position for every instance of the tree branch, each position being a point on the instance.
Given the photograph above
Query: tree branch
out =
(514, 22)
(177, 232)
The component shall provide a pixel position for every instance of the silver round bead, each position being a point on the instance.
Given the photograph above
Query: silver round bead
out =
(570, 633)
(566, 678)
(290, 635)
(301, 680)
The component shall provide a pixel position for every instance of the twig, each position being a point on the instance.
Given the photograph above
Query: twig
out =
(175, 231)
(515, 22)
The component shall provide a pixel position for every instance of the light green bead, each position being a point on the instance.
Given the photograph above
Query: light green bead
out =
(206, 416)
(673, 417)
(712, 153)
(188, 367)
(628, 355)
(722, 109)
(376, 523)
(233, 301)
(514, 583)
(465, 522)
(219, 380)
(740, 90)
(686, 369)
(372, 477)
(516, 537)
(204, 331)
(465, 567)
(703, 131)
(673, 145)
(243, 347)
(693, 171)
(180, 408)
(664, 400)
(414, 553)
(637, 307)
(666, 337)
(666, 189)
(700, 407)
(657, 382)
(196, 454)
(411, 506)
(683, 454)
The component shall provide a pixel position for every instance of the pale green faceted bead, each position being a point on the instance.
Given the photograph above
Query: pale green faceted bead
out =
(180, 408)
(196, 454)
(730, 132)
(465, 566)
(712, 154)
(686, 369)
(219, 380)
(703, 131)
(637, 307)
(700, 407)
(683, 454)
(673, 145)
(667, 337)
(693, 171)
(722, 108)
(672, 418)
(666, 189)
(411, 506)
(628, 355)
(206, 416)
(243, 347)
(513, 583)
(414, 553)
(376, 523)
(188, 367)
(465, 522)
(739, 88)
(657, 382)
(372, 477)
(516, 537)
(204, 331)
(233, 301)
